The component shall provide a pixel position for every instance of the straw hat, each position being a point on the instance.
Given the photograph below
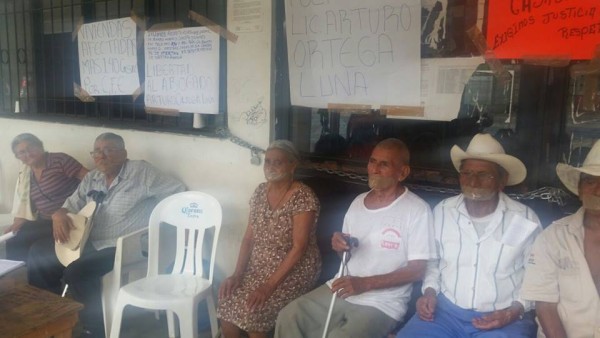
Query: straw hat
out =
(71, 250)
(569, 175)
(485, 147)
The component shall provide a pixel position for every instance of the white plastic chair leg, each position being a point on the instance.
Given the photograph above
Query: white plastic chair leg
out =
(171, 324)
(109, 298)
(188, 322)
(115, 328)
(212, 315)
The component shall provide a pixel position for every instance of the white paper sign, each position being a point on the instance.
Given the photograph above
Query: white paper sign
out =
(354, 51)
(108, 57)
(443, 81)
(182, 70)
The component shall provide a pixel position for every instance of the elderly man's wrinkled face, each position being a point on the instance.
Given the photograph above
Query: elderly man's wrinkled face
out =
(108, 156)
(589, 191)
(480, 180)
(385, 169)
(29, 154)
(277, 165)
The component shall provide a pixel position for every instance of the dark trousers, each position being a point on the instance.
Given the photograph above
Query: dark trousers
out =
(84, 277)
(17, 248)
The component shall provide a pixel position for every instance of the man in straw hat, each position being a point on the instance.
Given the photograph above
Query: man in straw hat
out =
(483, 239)
(563, 270)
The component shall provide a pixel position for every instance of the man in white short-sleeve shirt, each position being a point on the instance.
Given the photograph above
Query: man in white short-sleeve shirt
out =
(563, 270)
(394, 231)
(482, 239)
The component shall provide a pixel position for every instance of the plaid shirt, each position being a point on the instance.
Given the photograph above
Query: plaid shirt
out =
(128, 203)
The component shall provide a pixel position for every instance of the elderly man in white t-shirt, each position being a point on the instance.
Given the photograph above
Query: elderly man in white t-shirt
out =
(394, 231)
(483, 239)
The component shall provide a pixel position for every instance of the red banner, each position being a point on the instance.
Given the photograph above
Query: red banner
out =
(543, 28)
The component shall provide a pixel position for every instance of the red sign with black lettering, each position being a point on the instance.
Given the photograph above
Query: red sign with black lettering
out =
(543, 28)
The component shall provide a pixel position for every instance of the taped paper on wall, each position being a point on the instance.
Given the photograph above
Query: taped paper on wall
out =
(443, 81)
(337, 54)
(182, 70)
(108, 62)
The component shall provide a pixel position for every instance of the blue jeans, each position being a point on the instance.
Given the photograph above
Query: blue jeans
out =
(451, 321)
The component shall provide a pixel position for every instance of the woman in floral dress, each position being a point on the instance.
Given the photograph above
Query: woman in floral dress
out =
(279, 259)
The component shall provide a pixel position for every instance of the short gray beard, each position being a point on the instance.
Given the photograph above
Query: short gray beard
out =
(380, 182)
(478, 194)
(275, 176)
(591, 202)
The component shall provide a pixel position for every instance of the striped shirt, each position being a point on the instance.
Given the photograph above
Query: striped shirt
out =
(57, 182)
(128, 203)
(481, 273)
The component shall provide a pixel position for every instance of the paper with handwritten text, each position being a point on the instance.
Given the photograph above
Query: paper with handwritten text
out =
(182, 70)
(354, 52)
(108, 62)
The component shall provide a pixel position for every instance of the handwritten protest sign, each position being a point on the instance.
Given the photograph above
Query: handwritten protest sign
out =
(552, 28)
(182, 70)
(354, 52)
(108, 57)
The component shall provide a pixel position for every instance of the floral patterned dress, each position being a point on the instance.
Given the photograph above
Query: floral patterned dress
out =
(272, 242)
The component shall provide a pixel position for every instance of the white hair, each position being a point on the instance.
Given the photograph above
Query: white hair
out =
(288, 148)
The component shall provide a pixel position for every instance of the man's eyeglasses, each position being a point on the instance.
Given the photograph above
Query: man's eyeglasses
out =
(25, 151)
(105, 152)
(481, 177)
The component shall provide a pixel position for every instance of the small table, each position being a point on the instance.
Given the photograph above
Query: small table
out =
(29, 312)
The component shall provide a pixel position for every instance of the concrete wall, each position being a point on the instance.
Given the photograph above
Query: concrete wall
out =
(216, 166)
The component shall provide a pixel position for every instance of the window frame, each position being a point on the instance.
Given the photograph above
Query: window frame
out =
(29, 81)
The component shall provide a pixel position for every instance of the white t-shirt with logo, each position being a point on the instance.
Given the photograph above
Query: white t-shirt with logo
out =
(388, 238)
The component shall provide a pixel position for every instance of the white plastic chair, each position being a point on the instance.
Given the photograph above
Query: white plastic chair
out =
(130, 264)
(193, 214)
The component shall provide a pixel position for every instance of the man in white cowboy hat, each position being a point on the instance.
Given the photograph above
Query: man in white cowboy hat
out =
(563, 271)
(482, 239)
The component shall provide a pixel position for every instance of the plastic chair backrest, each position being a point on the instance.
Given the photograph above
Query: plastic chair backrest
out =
(193, 214)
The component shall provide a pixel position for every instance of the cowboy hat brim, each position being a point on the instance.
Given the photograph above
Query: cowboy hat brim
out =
(71, 250)
(569, 175)
(514, 167)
